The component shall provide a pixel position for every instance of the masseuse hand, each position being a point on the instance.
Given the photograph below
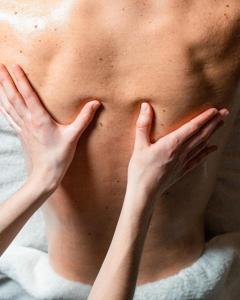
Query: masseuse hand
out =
(49, 146)
(155, 167)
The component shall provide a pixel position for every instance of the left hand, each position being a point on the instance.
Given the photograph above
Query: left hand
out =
(49, 146)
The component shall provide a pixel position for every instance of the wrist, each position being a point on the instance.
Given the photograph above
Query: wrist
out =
(43, 181)
(134, 222)
(138, 202)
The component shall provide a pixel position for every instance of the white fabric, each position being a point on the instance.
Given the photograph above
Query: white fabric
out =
(214, 276)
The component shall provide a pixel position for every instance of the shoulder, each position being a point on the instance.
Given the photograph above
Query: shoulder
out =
(214, 25)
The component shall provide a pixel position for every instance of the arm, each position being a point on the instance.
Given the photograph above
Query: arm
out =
(153, 168)
(117, 277)
(16, 211)
(49, 146)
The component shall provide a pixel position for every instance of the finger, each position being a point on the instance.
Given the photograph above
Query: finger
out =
(203, 135)
(10, 120)
(8, 108)
(195, 161)
(194, 152)
(28, 93)
(13, 95)
(190, 128)
(84, 118)
(143, 126)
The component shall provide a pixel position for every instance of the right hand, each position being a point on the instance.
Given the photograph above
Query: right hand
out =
(49, 147)
(153, 168)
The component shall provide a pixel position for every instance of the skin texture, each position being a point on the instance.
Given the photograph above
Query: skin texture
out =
(181, 56)
(153, 168)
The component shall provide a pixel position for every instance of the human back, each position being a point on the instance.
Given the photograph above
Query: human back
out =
(182, 57)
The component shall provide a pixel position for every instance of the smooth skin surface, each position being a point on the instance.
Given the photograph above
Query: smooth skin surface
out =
(180, 56)
(153, 168)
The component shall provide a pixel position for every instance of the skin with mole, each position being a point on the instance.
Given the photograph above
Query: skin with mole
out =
(183, 56)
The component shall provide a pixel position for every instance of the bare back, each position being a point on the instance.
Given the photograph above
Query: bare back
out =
(182, 56)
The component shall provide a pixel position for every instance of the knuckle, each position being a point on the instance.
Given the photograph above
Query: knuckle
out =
(39, 122)
(29, 94)
(86, 116)
(87, 112)
(195, 127)
(89, 108)
(8, 108)
(174, 144)
(171, 150)
(142, 123)
(13, 98)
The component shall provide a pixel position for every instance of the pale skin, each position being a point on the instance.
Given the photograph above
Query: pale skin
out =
(153, 168)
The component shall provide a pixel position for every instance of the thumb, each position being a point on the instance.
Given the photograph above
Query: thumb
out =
(84, 118)
(144, 125)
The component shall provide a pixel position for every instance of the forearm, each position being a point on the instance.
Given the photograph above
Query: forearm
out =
(16, 211)
(117, 277)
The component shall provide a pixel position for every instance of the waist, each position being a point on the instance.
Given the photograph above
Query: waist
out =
(80, 233)
(76, 253)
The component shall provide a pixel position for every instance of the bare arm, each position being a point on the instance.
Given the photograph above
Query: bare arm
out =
(16, 211)
(152, 170)
(118, 274)
(49, 149)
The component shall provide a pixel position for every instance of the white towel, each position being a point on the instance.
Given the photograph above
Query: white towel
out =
(215, 275)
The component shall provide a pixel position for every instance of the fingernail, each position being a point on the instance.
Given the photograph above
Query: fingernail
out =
(214, 111)
(224, 113)
(96, 104)
(144, 107)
